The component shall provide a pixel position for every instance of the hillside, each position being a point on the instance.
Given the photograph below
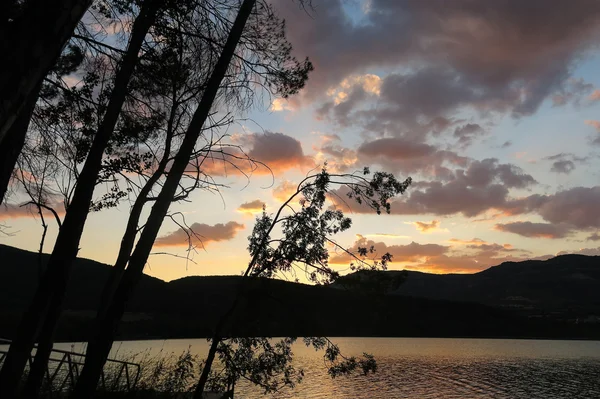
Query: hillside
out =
(190, 307)
(566, 286)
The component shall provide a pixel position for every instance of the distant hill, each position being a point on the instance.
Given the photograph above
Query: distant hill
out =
(425, 305)
(566, 286)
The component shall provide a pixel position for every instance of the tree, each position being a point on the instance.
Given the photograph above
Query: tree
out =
(302, 242)
(48, 297)
(12, 146)
(31, 42)
(281, 72)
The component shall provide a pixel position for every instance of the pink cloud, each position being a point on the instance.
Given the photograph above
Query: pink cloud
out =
(273, 152)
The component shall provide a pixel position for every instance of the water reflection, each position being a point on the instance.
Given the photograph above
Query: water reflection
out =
(458, 369)
(415, 368)
(437, 378)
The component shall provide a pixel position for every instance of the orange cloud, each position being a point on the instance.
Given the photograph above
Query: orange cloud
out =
(430, 227)
(200, 234)
(475, 256)
(284, 190)
(595, 96)
(281, 104)
(474, 241)
(13, 211)
(251, 207)
(593, 123)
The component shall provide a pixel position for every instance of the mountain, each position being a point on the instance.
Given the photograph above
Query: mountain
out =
(191, 306)
(567, 286)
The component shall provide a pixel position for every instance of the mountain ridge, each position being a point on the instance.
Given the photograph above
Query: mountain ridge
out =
(191, 306)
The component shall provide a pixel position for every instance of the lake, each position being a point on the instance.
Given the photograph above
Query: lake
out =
(431, 368)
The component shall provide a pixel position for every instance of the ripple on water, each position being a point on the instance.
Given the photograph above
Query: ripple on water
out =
(459, 378)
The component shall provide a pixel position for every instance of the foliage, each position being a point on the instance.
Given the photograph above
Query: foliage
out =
(303, 242)
(305, 234)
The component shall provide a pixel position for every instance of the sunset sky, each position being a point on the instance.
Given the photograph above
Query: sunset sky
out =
(492, 107)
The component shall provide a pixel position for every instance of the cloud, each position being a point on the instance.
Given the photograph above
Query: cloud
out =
(576, 207)
(565, 162)
(14, 211)
(537, 230)
(593, 123)
(564, 166)
(593, 237)
(201, 234)
(386, 235)
(284, 190)
(466, 134)
(582, 251)
(595, 140)
(251, 207)
(280, 104)
(573, 91)
(279, 152)
(408, 156)
(501, 56)
(413, 252)
(594, 96)
(425, 227)
(462, 257)
(338, 158)
(482, 186)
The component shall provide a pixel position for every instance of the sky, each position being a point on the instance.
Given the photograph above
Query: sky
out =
(492, 107)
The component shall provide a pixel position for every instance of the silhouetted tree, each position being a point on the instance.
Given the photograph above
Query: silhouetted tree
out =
(302, 242)
(11, 147)
(277, 71)
(31, 40)
(50, 292)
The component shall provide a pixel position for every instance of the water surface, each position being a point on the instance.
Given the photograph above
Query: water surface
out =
(428, 368)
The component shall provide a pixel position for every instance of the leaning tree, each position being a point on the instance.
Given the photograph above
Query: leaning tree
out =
(50, 292)
(248, 55)
(296, 239)
(32, 36)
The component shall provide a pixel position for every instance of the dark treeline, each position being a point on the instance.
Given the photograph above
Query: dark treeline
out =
(192, 306)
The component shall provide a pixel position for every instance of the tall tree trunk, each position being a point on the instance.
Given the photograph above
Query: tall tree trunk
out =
(11, 147)
(30, 47)
(100, 345)
(35, 378)
(218, 334)
(51, 290)
(207, 367)
(128, 240)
